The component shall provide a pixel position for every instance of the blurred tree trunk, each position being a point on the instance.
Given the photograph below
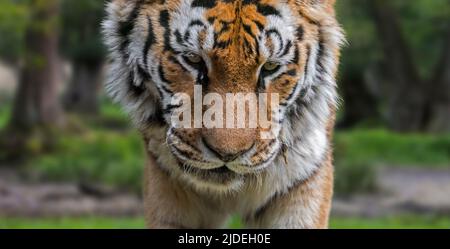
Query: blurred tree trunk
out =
(36, 101)
(82, 93)
(406, 96)
(81, 41)
(359, 105)
(438, 110)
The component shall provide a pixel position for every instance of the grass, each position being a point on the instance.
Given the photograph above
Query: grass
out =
(109, 110)
(72, 223)
(112, 158)
(383, 147)
(401, 222)
(359, 152)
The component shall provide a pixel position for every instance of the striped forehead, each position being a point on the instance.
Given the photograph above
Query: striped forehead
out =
(201, 25)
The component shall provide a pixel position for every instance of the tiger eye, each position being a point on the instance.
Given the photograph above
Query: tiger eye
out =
(270, 66)
(193, 58)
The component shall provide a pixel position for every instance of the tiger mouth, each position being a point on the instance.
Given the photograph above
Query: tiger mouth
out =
(220, 169)
(221, 175)
(192, 163)
(224, 170)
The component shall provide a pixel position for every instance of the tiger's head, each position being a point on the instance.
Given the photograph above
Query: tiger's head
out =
(162, 48)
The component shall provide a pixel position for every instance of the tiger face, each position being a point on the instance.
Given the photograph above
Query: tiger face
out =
(162, 48)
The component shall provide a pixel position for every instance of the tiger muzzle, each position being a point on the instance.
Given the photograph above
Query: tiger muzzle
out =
(229, 144)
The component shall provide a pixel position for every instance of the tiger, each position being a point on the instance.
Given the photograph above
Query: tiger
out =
(198, 178)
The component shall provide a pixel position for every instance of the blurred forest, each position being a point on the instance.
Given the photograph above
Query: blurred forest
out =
(56, 125)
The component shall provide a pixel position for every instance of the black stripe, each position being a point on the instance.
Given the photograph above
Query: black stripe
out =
(261, 83)
(125, 28)
(296, 59)
(320, 54)
(308, 55)
(179, 38)
(200, 67)
(248, 47)
(260, 25)
(204, 3)
(202, 71)
(263, 9)
(149, 42)
(174, 60)
(248, 30)
(143, 74)
(222, 44)
(159, 91)
(287, 48)
(257, 49)
(211, 19)
(267, 10)
(170, 108)
(248, 2)
(187, 34)
(196, 23)
(162, 76)
(164, 18)
(188, 143)
(291, 95)
(292, 72)
(225, 28)
(165, 89)
(278, 35)
(157, 117)
(300, 33)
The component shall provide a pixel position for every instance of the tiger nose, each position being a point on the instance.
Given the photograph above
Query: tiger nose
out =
(229, 144)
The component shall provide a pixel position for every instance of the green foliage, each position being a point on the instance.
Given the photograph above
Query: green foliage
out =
(113, 116)
(79, 21)
(81, 37)
(5, 110)
(14, 18)
(354, 179)
(362, 48)
(112, 158)
(423, 22)
(370, 147)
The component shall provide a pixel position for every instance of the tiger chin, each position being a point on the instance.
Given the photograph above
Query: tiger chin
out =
(197, 177)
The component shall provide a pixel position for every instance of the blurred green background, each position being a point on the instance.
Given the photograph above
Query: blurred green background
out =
(70, 159)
